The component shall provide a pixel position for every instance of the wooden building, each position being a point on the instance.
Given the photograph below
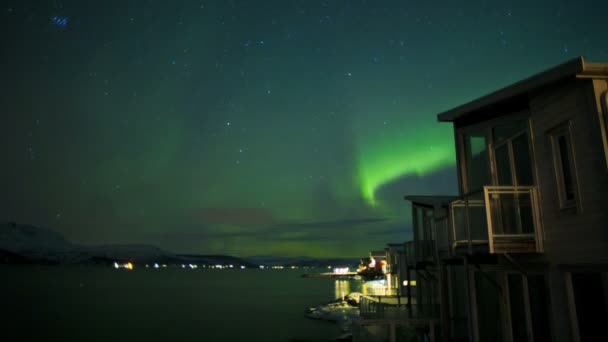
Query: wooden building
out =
(522, 253)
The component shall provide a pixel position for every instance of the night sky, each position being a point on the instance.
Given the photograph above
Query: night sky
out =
(254, 127)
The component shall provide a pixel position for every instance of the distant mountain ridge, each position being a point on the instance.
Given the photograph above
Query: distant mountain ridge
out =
(303, 261)
(29, 244)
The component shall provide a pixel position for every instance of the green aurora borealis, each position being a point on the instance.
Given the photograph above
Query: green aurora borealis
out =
(254, 127)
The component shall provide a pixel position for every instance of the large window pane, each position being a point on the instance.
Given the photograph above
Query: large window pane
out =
(523, 162)
(488, 307)
(503, 165)
(518, 311)
(539, 308)
(564, 166)
(508, 130)
(428, 224)
(442, 235)
(476, 159)
(460, 223)
(459, 299)
(591, 310)
(419, 223)
(564, 154)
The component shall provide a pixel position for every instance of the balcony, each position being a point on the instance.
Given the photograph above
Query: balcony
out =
(502, 219)
(396, 307)
(469, 224)
(513, 219)
(419, 252)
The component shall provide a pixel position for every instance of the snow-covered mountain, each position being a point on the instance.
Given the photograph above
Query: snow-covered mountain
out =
(20, 239)
(28, 244)
(140, 253)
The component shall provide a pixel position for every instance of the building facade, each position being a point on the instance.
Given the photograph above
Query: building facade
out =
(521, 254)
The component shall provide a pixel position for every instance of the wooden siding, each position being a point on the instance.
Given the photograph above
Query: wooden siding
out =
(600, 87)
(579, 236)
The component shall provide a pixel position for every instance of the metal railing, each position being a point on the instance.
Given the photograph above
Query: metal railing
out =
(502, 219)
(513, 219)
(395, 307)
(469, 221)
(395, 330)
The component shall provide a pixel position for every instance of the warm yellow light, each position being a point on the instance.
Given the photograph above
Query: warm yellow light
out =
(129, 266)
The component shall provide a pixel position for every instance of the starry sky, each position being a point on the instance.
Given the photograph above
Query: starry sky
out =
(289, 127)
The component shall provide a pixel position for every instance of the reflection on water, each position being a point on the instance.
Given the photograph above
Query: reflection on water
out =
(342, 288)
(376, 288)
(95, 304)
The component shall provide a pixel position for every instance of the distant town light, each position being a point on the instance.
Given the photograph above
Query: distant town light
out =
(116, 266)
(343, 270)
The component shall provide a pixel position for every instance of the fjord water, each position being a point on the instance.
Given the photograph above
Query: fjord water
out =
(48, 303)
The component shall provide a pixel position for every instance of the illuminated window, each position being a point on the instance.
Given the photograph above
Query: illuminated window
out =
(564, 166)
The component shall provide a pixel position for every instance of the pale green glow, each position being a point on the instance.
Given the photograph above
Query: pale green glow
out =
(387, 159)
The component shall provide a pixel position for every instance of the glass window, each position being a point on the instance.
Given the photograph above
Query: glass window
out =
(512, 153)
(476, 161)
(523, 161)
(566, 171)
(419, 223)
(488, 306)
(518, 310)
(503, 165)
(539, 307)
(428, 226)
(508, 129)
(564, 166)
(590, 301)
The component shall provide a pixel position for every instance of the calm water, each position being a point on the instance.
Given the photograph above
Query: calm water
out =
(103, 304)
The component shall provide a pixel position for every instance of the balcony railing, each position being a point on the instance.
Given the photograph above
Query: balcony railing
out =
(502, 219)
(395, 307)
(513, 219)
(469, 222)
(418, 251)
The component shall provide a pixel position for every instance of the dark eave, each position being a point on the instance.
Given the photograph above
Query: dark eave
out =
(431, 201)
(574, 68)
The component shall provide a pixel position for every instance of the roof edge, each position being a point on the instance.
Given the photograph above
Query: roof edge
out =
(573, 67)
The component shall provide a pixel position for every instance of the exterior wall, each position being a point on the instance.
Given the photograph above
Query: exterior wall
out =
(580, 236)
(575, 238)
(561, 320)
(600, 88)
